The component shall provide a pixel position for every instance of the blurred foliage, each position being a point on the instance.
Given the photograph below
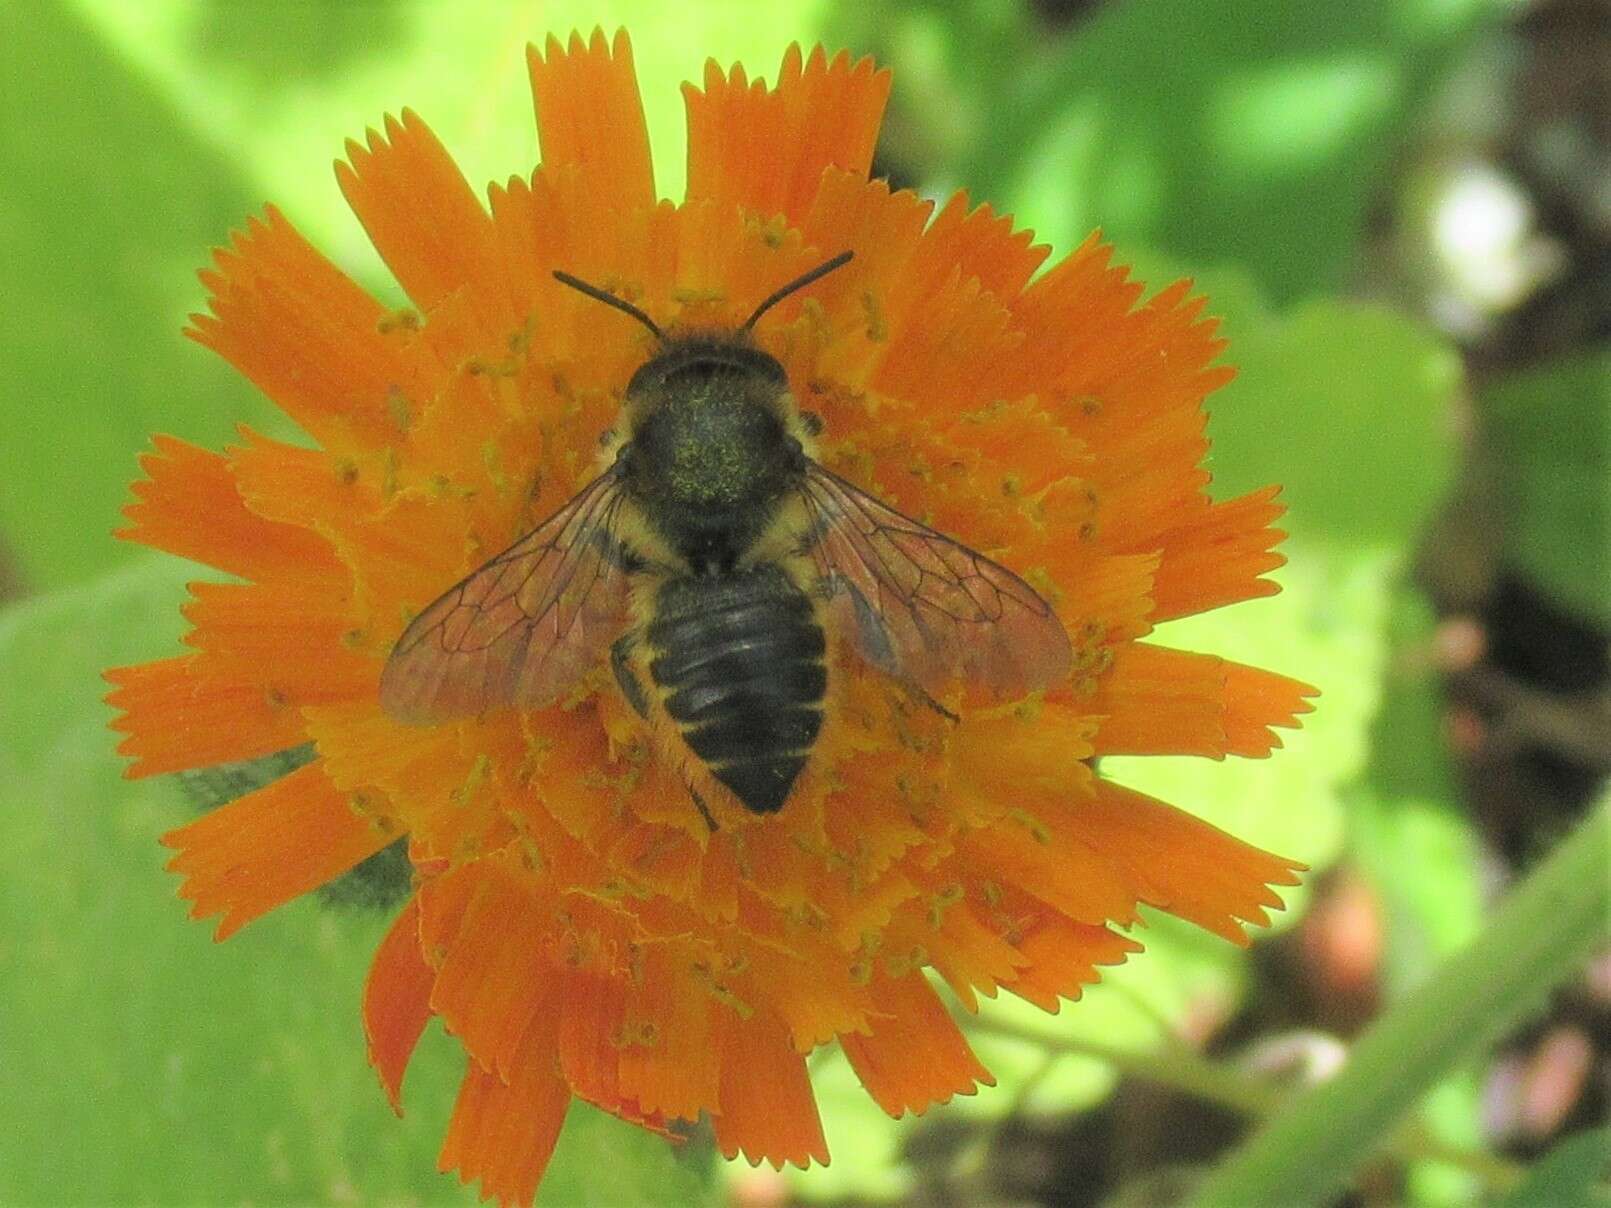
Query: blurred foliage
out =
(1241, 142)
(1554, 426)
(104, 220)
(1239, 131)
(1572, 1175)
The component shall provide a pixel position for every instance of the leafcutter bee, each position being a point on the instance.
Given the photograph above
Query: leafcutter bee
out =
(743, 553)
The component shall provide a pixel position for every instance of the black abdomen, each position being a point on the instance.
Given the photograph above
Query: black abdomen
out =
(740, 661)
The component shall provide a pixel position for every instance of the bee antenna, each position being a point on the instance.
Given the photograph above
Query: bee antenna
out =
(609, 299)
(822, 270)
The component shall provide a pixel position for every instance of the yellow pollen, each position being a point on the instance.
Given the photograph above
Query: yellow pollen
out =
(492, 459)
(480, 770)
(488, 367)
(520, 341)
(877, 329)
(399, 408)
(697, 297)
(404, 318)
(1035, 827)
(720, 992)
(388, 474)
(1030, 708)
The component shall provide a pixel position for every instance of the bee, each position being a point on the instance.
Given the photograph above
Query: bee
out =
(709, 561)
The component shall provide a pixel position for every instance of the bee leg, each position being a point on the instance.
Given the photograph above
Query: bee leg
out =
(626, 677)
(704, 810)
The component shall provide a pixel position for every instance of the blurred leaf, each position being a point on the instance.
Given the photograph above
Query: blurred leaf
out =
(461, 67)
(1549, 922)
(1553, 427)
(1572, 1175)
(1407, 828)
(194, 1072)
(1244, 131)
(1347, 405)
(109, 202)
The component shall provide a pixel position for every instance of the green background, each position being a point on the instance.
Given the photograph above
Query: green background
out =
(1243, 143)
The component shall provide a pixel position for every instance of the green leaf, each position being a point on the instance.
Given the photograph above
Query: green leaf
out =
(109, 202)
(1537, 938)
(190, 1072)
(1346, 405)
(461, 67)
(1244, 131)
(1408, 830)
(1553, 426)
(1572, 1175)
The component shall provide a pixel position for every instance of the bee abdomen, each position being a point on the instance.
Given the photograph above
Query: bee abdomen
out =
(740, 661)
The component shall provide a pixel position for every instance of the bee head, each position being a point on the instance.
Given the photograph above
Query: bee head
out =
(696, 362)
(706, 428)
(707, 446)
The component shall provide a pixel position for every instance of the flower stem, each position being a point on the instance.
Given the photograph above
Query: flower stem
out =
(1539, 936)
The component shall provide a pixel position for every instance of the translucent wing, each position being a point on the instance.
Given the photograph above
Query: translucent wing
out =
(524, 627)
(924, 607)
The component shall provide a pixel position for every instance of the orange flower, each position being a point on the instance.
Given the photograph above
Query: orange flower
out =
(575, 921)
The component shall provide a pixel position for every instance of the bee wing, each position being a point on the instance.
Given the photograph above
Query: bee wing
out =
(924, 607)
(522, 628)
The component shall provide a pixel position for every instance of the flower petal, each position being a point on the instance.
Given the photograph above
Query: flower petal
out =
(765, 149)
(424, 220)
(491, 981)
(1157, 701)
(589, 116)
(259, 851)
(916, 1056)
(768, 1112)
(503, 1132)
(305, 333)
(671, 1037)
(177, 717)
(188, 505)
(1063, 956)
(298, 642)
(1255, 701)
(397, 1001)
(1218, 555)
(1184, 865)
